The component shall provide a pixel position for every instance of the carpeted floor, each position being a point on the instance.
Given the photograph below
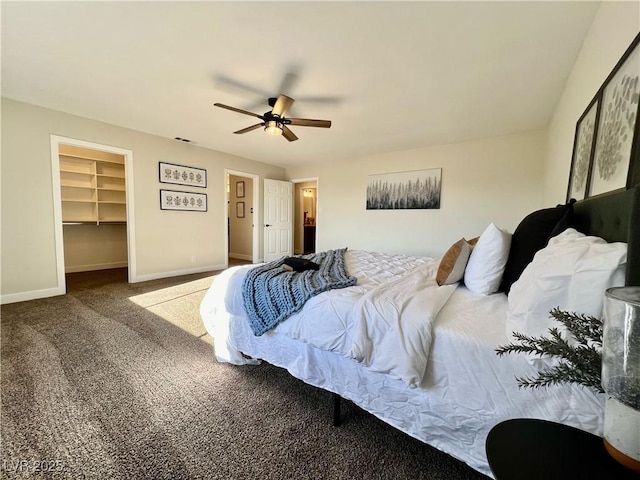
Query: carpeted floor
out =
(119, 381)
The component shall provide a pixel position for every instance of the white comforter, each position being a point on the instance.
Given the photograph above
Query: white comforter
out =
(393, 324)
(385, 321)
(466, 390)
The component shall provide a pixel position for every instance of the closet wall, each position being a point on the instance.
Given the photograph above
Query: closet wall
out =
(94, 217)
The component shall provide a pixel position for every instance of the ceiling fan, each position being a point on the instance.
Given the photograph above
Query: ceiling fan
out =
(275, 122)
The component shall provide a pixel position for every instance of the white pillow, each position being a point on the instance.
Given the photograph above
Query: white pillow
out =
(572, 272)
(487, 261)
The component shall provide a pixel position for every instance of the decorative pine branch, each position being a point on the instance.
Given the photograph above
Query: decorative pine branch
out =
(580, 361)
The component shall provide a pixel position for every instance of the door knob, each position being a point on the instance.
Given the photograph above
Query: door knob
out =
(267, 225)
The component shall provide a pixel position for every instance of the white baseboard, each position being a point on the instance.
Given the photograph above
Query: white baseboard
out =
(241, 256)
(96, 266)
(177, 273)
(32, 295)
(52, 292)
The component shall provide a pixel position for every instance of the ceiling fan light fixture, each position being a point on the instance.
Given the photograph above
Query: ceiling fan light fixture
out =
(274, 122)
(273, 127)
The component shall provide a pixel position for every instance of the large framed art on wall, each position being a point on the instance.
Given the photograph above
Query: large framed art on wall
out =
(582, 152)
(607, 138)
(418, 189)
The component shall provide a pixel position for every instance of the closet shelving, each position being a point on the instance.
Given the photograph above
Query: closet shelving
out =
(93, 189)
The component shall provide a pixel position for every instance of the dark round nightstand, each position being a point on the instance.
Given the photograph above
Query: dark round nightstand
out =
(530, 449)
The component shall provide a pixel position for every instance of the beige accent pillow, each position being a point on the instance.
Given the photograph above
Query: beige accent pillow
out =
(453, 263)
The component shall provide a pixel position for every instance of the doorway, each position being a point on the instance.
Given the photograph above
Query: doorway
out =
(93, 207)
(305, 213)
(242, 217)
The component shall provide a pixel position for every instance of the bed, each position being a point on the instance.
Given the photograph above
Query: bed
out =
(465, 388)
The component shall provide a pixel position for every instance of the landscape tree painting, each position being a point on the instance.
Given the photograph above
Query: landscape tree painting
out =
(418, 189)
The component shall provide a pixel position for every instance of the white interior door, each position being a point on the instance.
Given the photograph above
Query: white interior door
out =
(278, 219)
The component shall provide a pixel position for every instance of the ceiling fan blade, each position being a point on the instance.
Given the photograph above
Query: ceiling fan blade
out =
(289, 80)
(252, 127)
(288, 134)
(282, 106)
(307, 122)
(239, 110)
(236, 87)
(322, 100)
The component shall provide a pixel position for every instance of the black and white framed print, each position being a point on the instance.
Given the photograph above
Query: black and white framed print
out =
(583, 146)
(182, 175)
(616, 148)
(419, 189)
(183, 201)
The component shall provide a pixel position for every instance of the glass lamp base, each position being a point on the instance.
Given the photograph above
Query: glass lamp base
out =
(622, 458)
(622, 433)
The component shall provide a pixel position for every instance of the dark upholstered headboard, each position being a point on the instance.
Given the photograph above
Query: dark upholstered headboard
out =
(616, 218)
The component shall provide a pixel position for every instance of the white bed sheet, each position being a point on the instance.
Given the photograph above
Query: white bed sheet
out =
(467, 388)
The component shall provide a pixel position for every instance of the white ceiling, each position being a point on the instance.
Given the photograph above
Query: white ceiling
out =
(390, 75)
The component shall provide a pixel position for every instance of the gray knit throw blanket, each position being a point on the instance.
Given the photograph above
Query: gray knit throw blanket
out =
(271, 294)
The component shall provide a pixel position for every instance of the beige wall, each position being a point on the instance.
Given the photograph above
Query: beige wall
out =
(492, 180)
(94, 247)
(241, 229)
(614, 27)
(167, 243)
(498, 179)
